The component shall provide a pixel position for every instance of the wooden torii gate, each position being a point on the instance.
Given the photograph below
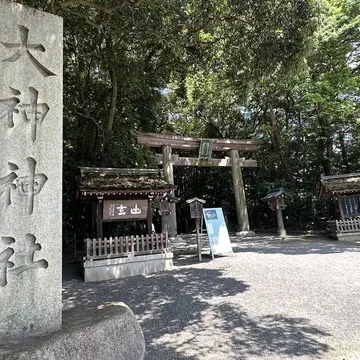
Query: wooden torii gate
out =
(168, 160)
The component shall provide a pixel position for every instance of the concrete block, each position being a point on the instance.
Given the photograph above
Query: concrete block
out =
(350, 236)
(116, 268)
(245, 233)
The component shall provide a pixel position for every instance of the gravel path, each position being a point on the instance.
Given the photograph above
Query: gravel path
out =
(273, 299)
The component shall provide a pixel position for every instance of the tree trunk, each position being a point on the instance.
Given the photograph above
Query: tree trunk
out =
(277, 143)
(112, 111)
(325, 141)
(344, 153)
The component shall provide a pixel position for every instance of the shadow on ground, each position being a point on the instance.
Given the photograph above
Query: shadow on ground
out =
(268, 245)
(187, 314)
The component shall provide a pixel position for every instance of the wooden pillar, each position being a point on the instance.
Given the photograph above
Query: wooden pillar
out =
(93, 217)
(99, 219)
(149, 218)
(198, 239)
(169, 177)
(240, 198)
(341, 208)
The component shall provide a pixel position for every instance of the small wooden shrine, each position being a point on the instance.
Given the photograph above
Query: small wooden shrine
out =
(346, 190)
(124, 195)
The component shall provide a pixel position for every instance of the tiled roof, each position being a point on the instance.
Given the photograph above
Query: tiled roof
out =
(108, 179)
(276, 193)
(340, 184)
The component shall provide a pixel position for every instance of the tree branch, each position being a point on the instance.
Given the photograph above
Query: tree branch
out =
(83, 16)
(89, 117)
(108, 10)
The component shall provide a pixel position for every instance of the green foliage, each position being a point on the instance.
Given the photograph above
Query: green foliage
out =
(286, 72)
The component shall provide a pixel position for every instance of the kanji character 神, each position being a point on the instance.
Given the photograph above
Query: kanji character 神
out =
(24, 49)
(7, 109)
(6, 183)
(32, 112)
(31, 184)
(37, 112)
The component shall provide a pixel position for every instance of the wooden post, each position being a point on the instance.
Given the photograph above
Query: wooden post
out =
(99, 219)
(280, 221)
(341, 208)
(93, 217)
(169, 177)
(149, 218)
(240, 198)
(198, 238)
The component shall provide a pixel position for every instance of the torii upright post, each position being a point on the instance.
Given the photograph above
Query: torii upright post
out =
(240, 198)
(169, 177)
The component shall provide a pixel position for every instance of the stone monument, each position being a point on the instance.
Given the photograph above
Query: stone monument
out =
(31, 63)
(31, 71)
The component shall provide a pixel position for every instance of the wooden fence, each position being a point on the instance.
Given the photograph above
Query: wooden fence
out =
(350, 225)
(126, 246)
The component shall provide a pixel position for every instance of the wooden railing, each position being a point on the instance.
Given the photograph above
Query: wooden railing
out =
(349, 225)
(126, 246)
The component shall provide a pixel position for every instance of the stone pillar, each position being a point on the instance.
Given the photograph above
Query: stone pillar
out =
(31, 62)
(280, 221)
(240, 198)
(169, 177)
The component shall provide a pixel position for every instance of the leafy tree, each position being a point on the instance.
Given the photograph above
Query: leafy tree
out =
(226, 68)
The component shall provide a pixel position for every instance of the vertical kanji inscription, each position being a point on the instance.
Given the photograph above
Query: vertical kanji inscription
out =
(31, 88)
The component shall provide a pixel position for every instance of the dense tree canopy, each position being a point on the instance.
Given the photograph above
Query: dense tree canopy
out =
(286, 72)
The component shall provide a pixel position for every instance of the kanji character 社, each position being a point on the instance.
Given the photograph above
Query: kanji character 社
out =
(28, 256)
(4, 260)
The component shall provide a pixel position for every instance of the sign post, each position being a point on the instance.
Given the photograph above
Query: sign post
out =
(196, 212)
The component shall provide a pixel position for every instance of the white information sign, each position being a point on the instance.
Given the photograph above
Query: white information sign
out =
(217, 231)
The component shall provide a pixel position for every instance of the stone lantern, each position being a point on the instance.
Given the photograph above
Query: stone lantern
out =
(276, 201)
(165, 210)
(196, 212)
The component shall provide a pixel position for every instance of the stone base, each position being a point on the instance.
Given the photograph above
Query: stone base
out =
(282, 233)
(245, 233)
(108, 269)
(106, 332)
(350, 236)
